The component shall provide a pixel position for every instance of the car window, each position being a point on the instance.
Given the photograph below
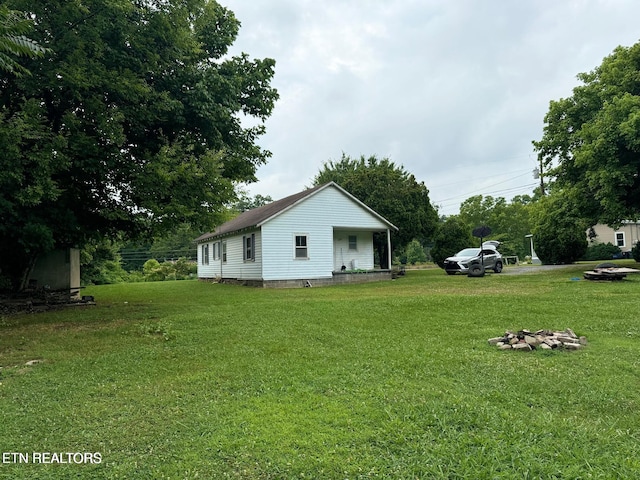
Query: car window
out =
(468, 252)
(489, 252)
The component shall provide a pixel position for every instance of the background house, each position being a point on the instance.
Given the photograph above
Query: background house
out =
(322, 235)
(624, 237)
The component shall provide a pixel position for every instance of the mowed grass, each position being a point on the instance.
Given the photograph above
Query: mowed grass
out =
(387, 380)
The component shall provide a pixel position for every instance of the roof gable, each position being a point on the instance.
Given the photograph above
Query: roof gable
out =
(257, 216)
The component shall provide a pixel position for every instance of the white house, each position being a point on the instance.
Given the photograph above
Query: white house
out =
(320, 236)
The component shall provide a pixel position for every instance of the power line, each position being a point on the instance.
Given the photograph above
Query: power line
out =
(467, 195)
(508, 190)
(527, 171)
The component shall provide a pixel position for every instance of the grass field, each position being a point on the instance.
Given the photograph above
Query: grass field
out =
(389, 380)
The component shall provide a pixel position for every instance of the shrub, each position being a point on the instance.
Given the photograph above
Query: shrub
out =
(415, 253)
(184, 268)
(601, 251)
(560, 244)
(635, 252)
(152, 271)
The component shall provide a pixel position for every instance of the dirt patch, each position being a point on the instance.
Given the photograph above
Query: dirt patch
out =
(520, 270)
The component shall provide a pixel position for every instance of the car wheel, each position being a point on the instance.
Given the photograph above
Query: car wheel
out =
(476, 270)
(498, 267)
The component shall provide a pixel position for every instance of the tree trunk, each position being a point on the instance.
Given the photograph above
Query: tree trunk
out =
(23, 279)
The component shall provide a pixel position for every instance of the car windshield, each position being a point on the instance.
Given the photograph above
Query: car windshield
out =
(468, 252)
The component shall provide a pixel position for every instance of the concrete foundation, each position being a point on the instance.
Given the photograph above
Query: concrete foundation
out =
(337, 278)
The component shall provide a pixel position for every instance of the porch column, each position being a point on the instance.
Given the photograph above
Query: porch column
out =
(389, 249)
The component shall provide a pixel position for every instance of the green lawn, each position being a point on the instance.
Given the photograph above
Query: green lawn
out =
(387, 380)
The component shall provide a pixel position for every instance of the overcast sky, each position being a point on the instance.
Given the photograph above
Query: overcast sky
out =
(453, 90)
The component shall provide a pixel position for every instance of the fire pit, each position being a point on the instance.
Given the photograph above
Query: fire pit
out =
(528, 340)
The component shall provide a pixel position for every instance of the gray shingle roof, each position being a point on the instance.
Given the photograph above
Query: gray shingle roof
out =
(257, 216)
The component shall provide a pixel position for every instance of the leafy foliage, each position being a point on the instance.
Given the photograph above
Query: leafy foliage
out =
(14, 26)
(246, 202)
(101, 263)
(594, 138)
(414, 253)
(176, 244)
(133, 126)
(635, 252)
(389, 190)
(509, 221)
(559, 231)
(601, 251)
(154, 271)
(451, 237)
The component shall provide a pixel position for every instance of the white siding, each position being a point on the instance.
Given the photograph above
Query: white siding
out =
(363, 255)
(235, 266)
(209, 270)
(316, 217)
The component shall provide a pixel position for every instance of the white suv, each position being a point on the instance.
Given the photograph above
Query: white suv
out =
(465, 260)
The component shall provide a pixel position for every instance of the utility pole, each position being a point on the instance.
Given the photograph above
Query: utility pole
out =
(538, 173)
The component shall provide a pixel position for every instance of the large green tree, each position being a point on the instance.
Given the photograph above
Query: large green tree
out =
(389, 190)
(591, 140)
(509, 221)
(132, 126)
(451, 236)
(559, 230)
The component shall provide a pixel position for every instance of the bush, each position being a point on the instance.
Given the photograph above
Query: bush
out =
(153, 271)
(601, 251)
(184, 269)
(415, 253)
(451, 237)
(100, 263)
(181, 269)
(635, 252)
(560, 244)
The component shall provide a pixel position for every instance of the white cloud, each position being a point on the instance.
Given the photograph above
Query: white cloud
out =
(443, 88)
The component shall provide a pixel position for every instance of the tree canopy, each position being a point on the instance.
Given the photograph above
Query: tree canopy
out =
(591, 140)
(559, 230)
(389, 190)
(509, 221)
(132, 125)
(451, 237)
(14, 43)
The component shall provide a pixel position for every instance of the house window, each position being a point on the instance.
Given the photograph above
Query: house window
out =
(353, 242)
(216, 251)
(224, 252)
(620, 239)
(205, 254)
(301, 247)
(249, 242)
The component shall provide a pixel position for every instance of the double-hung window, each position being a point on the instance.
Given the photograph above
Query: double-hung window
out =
(620, 239)
(205, 254)
(301, 248)
(224, 252)
(249, 247)
(353, 242)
